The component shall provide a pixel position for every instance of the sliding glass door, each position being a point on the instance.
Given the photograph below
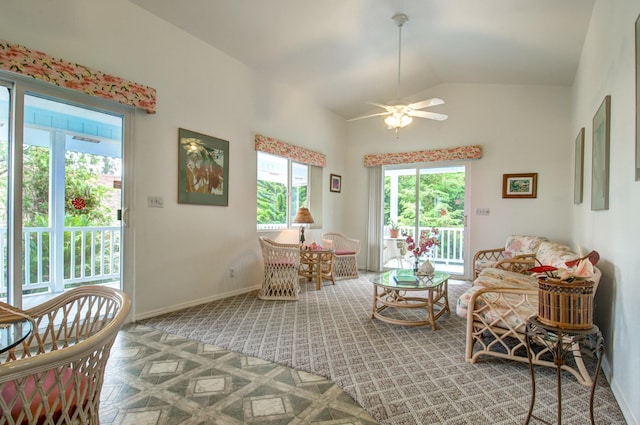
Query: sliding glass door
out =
(5, 123)
(63, 184)
(422, 200)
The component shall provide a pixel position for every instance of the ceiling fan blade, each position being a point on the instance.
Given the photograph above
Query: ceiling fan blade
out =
(430, 115)
(426, 103)
(369, 116)
(389, 108)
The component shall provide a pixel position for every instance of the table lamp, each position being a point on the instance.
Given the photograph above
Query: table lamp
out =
(303, 217)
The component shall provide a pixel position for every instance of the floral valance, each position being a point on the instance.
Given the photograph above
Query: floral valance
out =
(32, 63)
(431, 155)
(296, 153)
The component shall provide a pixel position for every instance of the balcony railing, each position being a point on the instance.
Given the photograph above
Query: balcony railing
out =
(450, 250)
(83, 255)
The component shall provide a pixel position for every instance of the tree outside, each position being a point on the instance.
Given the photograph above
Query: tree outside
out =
(441, 197)
(85, 179)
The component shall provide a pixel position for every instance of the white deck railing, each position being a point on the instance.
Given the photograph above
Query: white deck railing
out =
(85, 254)
(450, 251)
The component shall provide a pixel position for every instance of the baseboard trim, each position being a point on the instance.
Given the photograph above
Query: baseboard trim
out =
(617, 393)
(176, 307)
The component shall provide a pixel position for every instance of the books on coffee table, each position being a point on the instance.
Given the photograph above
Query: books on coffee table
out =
(404, 279)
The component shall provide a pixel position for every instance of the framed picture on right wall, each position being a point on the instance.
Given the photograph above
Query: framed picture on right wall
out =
(579, 168)
(638, 98)
(600, 156)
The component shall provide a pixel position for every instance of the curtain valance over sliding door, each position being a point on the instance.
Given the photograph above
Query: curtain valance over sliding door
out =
(431, 155)
(293, 152)
(32, 63)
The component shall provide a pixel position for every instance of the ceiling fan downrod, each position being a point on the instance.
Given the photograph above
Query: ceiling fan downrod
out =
(400, 19)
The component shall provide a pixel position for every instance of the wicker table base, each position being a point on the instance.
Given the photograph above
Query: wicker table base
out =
(387, 293)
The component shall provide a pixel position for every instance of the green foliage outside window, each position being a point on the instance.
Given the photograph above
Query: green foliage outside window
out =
(82, 180)
(272, 202)
(441, 197)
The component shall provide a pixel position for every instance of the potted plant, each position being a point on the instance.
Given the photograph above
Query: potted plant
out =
(394, 230)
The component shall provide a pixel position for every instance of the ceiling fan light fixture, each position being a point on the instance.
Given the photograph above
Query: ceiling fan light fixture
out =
(397, 120)
(400, 114)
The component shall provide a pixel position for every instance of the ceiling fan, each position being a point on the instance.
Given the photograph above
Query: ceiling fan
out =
(400, 114)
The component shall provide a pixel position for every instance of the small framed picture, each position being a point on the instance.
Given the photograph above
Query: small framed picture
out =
(335, 184)
(520, 185)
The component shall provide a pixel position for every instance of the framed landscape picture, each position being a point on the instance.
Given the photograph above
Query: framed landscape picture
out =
(579, 168)
(600, 157)
(520, 185)
(203, 169)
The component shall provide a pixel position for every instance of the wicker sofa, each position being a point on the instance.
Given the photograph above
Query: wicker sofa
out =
(501, 300)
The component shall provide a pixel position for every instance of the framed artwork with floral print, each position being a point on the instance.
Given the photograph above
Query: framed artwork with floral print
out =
(520, 185)
(335, 183)
(203, 169)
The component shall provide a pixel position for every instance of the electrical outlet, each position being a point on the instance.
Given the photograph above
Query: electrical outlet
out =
(155, 201)
(232, 272)
(482, 211)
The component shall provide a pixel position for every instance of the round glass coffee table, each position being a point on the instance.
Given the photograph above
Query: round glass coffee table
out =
(399, 289)
(12, 334)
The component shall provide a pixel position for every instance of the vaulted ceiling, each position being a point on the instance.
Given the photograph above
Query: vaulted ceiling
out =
(345, 52)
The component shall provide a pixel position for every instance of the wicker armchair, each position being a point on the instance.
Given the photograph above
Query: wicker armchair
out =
(55, 376)
(345, 263)
(281, 265)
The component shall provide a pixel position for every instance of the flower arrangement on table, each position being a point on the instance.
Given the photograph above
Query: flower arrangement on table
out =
(418, 249)
(577, 270)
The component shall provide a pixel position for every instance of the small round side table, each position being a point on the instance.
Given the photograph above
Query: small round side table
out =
(561, 342)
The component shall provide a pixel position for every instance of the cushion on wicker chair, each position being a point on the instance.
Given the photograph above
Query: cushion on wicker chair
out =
(50, 383)
(55, 375)
(344, 252)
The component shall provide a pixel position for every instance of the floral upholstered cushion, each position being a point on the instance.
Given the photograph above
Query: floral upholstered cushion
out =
(498, 278)
(521, 245)
(515, 245)
(554, 254)
(483, 263)
(501, 312)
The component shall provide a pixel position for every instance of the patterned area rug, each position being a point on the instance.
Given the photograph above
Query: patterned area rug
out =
(401, 375)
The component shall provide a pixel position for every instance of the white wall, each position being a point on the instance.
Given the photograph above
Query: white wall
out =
(522, 129)
(183, 253)
(607, 68)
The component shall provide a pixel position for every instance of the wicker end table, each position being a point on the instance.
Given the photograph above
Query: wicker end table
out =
(317, 264)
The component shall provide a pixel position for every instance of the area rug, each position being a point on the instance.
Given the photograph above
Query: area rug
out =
(401, 375)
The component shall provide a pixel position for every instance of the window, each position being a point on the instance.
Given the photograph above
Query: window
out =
(283, 187)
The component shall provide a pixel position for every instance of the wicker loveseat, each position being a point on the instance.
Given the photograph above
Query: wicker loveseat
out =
(501, 300)
(55, 376)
